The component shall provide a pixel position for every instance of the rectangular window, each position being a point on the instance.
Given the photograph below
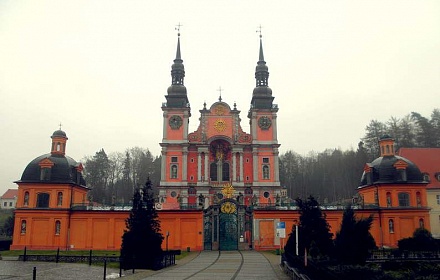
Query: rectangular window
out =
(5, 204)
(438, 199)
(265, 160)
(173, 159)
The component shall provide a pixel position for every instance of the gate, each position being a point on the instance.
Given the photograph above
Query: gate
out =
(227, 226)
(228, 240)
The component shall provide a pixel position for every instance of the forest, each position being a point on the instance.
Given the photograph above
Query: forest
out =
(331, 176)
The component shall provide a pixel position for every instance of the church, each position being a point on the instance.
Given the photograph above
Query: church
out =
(219, 186)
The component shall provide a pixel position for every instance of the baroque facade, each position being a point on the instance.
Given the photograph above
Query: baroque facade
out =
(219, 187)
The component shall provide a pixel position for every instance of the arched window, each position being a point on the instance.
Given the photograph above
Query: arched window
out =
(265, 171)
(391, 225)
(403, 199)
(26, 199)
(23, 226)
(173, 171)
(57, 227)
(389, 202)
(225, 171)
(43, 200)
(213, 172)
(421, 223)
(60, 199)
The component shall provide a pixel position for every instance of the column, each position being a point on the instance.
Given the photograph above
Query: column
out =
(241, 167)
(277, 165)
(234, 167)
(256, 166)
(163, 164)
(199, 166)
(185, 164)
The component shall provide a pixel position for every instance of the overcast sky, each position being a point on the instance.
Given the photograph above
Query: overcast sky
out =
(102, 69)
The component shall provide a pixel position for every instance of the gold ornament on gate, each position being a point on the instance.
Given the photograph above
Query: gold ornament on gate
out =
(228, 190)
(228, 208)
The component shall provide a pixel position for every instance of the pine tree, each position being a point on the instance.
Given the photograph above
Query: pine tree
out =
(354, 241)
(141, 242)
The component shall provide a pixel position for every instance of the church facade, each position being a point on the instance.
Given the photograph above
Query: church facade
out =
(219, 186)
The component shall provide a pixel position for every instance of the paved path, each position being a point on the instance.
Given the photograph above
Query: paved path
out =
(233, 265)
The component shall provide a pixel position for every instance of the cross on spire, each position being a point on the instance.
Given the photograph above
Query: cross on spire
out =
(178, 28)
(60, 125)
(259, 31)
(220, 90)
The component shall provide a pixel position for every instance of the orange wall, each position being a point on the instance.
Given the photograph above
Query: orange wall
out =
(101, 230)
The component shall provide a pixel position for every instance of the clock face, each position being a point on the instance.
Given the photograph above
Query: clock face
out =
(264, 122)
(175, 122)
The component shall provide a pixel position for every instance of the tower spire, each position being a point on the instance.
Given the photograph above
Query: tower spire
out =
(262, 95)
(177, 97)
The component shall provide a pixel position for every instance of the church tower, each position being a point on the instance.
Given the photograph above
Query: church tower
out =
(176, 113)
(263, 122)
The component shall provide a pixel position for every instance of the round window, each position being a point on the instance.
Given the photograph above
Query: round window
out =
(266, 194)
(173, 194)
(220, 196)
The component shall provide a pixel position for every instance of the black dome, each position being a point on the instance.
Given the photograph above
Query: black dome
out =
(59, 133)
(64, 170)
(383, 171)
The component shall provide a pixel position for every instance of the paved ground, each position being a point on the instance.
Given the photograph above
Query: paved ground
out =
(232, 265)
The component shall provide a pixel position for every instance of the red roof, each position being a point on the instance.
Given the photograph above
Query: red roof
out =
(427, 160)
(10, 194)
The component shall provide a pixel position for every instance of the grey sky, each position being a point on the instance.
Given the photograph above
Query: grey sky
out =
(102, 68)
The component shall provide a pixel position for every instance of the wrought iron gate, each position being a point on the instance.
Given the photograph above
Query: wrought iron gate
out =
(228, 240)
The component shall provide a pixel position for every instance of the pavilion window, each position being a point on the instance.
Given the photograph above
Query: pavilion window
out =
(403, 199)
(43, 200)
(45, 174)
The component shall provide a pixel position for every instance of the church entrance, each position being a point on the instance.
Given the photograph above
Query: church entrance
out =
(227, 226)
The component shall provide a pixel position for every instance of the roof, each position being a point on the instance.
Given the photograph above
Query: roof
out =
(428, 161)
(10, 194)
(64, 170)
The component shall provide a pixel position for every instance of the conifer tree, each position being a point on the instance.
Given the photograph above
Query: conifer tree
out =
(314, 231)
(142, 240)
(354, 241)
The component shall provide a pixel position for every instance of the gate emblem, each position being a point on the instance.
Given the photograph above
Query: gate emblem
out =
(228, 208)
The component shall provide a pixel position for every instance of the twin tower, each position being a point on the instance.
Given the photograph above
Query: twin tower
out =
(219, 160)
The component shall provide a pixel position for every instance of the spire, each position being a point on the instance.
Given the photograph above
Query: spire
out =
(262, 95)
(177, 97)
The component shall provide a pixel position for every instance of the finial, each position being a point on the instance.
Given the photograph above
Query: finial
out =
(204, 105)
(178, 29)
(60, 125)
(235, 106)
(220, 90)
(259, 31)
